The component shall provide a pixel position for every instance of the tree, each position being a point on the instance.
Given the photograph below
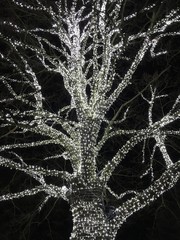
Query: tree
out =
(92, 51)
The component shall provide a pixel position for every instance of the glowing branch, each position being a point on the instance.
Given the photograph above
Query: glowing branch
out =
(168, 179)
(139, 137)
(128, 76)
(110, 166)
(33, 170)
(27, 192)
(51, 190)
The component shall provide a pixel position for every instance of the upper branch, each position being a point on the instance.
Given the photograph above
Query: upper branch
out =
(151, 38)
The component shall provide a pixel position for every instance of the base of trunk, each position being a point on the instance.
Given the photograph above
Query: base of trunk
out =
(90, 222)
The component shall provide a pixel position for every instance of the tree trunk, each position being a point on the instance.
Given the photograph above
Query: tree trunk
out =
(90, 221)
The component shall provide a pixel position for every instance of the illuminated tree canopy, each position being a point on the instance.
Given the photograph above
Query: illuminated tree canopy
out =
(70, 89)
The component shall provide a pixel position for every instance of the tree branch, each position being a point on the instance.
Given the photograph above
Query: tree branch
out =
(51, 190)
(33, 170)
(168, 180)
(139, 137)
